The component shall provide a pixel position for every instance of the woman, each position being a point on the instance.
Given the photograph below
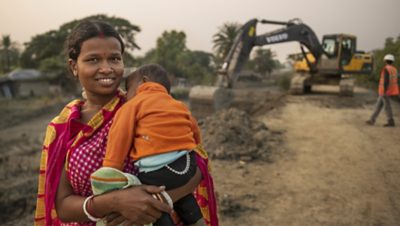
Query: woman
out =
(75, 140)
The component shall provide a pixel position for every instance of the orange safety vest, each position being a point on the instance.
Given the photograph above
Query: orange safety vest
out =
(393, 87)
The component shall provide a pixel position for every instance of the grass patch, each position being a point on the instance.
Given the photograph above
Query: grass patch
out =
(180, 93)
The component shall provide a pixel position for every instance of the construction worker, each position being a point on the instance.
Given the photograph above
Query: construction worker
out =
(387, 87)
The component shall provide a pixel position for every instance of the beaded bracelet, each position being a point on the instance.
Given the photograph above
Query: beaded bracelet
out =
(94, 219)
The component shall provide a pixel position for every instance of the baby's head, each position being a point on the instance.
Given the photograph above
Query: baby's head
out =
(146, 73)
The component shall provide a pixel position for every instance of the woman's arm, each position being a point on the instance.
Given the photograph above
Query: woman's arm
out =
(68, 206)
(135, 203)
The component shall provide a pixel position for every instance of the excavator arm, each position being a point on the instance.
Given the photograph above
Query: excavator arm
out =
(246, 39)
(238, 54)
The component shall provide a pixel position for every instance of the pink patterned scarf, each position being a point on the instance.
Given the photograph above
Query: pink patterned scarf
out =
(63, 135)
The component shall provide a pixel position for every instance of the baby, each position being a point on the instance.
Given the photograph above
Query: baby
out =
(159, 134)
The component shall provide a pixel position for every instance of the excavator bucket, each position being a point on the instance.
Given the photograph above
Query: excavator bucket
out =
(204, 100)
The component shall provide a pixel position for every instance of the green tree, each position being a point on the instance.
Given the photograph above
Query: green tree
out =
(171, 52)
(47, 45)
(46, 50)
(6, 44)
(392, 46)
(169, 47)
(123, 26)
(224, 38)
(9, 54)
(197, 66)
(264, 61)
(51, 64)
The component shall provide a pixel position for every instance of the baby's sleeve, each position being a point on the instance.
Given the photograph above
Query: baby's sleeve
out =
(120, 138)
(196, 130)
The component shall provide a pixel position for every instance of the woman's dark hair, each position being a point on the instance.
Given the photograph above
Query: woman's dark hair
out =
(86, 30)
(155, 72)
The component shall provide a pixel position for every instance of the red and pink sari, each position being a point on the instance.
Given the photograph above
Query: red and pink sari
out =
(80, 148)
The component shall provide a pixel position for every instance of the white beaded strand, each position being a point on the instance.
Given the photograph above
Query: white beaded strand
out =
(184, 170)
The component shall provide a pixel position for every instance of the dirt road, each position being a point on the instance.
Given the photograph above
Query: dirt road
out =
(329, 168)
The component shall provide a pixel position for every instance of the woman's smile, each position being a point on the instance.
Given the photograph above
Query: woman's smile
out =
(106, 81)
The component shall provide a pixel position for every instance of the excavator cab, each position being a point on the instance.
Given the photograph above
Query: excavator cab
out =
(339, 47)
(341, 56)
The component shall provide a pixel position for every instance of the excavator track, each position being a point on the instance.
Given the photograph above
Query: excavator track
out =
(300, 84)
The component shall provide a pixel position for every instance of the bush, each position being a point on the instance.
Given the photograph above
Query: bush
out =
(283, 81)
(366, 81)
(180, 93)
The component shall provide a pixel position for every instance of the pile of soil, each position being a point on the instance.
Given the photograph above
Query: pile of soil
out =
(233, 135)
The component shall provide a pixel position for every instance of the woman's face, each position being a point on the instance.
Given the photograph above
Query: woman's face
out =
(99, 66)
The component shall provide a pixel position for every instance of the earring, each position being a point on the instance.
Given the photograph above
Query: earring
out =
(84, 96)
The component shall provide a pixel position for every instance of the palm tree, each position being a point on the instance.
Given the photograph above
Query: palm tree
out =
(5, 47)
(9, 54)
(224, 38)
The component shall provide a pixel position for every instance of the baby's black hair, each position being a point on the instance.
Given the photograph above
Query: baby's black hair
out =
(154, 72)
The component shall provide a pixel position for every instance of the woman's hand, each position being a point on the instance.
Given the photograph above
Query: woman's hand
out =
(114, 219)
(118, 219)
(137, 205)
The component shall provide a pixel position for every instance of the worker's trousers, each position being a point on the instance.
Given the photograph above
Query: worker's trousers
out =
(382, 102)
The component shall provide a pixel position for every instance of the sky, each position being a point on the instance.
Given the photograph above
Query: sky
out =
(372, 21)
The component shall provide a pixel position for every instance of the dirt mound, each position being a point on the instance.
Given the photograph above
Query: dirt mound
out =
(233, 135)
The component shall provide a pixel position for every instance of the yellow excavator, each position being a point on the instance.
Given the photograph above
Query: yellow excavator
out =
(332, 62)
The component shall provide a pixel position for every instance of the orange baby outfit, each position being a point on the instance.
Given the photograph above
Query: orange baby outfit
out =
(151, 123)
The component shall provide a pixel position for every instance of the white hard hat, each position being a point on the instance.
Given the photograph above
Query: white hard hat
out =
(389, 57)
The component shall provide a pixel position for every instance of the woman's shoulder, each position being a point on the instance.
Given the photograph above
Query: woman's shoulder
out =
(71, 108)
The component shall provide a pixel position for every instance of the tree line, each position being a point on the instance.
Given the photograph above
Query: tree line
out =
(45, 51)
(392, 46)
